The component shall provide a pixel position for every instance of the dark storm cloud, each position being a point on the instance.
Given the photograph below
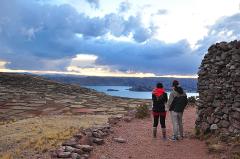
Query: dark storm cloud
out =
(152, 56)
(42, 29)
(42, 37)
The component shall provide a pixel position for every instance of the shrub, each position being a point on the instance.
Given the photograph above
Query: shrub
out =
(142, 111)
(197, 132)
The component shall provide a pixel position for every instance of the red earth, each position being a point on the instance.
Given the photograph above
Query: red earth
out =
(141, 145)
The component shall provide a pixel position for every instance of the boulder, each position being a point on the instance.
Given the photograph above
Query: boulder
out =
(62, 154)
(85, 148)
(119, 140)
(98, 141)
(214, 127)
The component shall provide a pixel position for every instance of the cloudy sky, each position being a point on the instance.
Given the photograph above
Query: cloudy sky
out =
(113, 38)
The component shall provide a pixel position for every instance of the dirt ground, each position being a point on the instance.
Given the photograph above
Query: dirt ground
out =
(141, 145)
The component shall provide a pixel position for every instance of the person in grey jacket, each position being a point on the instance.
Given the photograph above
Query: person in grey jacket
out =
(176, 103)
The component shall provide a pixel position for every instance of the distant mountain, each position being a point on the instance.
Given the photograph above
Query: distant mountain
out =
(137, 84)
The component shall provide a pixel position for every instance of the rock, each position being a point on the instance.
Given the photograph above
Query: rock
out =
(86, 148)
(236, 124)
(69, 149)
(225, 124)
(216, 120)
(236, 105)
(78, 136)
(78, 151)
(103, 157)
(119, 140)
(54, 154)
(127, 119)
(85, 140)
(75, 156)
(70, 142)
(224, 157)
(204, 126)
(98, 134)
(214, 127)
(64, 154)
(85, 156)
(98, 141)
(236, 115)
(113, 120)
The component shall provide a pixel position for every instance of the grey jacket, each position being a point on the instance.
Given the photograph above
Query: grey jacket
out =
(172, 95)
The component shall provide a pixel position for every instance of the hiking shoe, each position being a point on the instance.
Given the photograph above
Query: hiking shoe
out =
(180, 138)
(164, 138)
(173, 138)
(154, 132)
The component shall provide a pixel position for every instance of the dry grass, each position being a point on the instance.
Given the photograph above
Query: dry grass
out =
(142, 111)
(223, 145)
(40, 134)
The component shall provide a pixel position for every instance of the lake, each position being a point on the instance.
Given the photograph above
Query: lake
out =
(124, 92)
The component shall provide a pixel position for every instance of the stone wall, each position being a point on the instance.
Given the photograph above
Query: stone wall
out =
(219, 90)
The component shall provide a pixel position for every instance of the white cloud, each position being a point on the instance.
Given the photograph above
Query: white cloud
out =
(191, 20)
(185, 19)
(3, 64)
(85, 64)
(83, 60)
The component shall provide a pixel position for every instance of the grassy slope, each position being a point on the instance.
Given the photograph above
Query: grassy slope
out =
(27, 137)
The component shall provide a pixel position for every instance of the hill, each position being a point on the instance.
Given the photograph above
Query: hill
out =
(137, 84)
(36, 114)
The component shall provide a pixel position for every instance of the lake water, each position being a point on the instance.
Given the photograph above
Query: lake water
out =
(124, 92)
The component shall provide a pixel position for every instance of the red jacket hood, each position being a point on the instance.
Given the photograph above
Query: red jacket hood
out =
(158, 91)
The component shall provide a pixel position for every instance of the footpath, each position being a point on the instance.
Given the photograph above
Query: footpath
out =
(140, 144)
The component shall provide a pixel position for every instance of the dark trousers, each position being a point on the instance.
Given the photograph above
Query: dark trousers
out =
(156, 120)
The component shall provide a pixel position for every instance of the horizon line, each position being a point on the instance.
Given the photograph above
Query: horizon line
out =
(137, 75)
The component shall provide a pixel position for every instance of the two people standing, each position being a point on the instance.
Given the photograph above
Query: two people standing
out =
(176, 103)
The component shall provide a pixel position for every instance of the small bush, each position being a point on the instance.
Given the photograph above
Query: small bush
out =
(216, 148)
(142, 111)
(197, 132)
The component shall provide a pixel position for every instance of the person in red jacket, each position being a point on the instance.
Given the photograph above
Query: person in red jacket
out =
(159, 98)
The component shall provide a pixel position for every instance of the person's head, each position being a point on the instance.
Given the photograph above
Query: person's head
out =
(159, 85)
(176, 87)
(175, 83)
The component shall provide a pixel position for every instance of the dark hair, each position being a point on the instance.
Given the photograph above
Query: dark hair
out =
(159, 85)
(178, 89)
(176, 86)
(175, 83)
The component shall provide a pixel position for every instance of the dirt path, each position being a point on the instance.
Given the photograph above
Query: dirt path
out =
(141, 145)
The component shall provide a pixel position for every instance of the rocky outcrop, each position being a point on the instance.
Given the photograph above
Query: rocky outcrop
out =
(219, 90)
(82, 144)
(24, 96)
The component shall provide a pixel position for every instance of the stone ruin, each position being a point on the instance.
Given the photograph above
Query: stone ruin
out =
(218, 107)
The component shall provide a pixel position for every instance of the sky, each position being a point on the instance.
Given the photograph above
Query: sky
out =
(126, 38)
